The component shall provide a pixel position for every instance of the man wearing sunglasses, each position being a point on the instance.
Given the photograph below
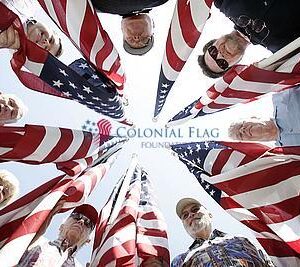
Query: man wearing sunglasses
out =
(73, 234)
(213, 247)
(270, 23)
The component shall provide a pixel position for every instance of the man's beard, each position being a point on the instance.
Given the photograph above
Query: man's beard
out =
(201, 225)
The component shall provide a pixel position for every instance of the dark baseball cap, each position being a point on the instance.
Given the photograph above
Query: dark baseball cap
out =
(138, 51)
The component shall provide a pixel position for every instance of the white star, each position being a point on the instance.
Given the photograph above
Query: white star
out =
(207, 186)
(212, 192)
(67, 94)
(198, 147)
(165, 85)
(83, 65)
(80, 96)
(87, 89)
(57, 83)
(185, 153)
(164, 91)
(96, 98)
(94, 76)
(72, 85)
(103, 85)
(90, 103)
(63, 72)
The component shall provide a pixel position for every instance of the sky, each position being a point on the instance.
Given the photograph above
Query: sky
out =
(171, 179)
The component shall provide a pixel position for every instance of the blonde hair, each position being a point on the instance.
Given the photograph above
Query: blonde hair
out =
(9, 180)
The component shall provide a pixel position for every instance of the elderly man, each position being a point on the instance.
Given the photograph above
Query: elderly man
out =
(284, 128)
(11, 108)
(9, 187)
(37, 33)
(212, 248)
(136, 25)
(255, 22)
(73, 234)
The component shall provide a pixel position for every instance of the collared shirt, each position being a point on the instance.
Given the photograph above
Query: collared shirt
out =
(48, 254)
(221, 250)
(286, 116)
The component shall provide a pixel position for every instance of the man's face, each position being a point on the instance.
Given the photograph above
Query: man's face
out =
(137, 30)
(5, 191)
(196, 220)
(229, 48)
(252, 131)
(75, 231)
(43, 37)
(9, 109)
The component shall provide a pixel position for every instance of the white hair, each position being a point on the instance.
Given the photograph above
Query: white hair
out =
(8, 179)
(22, 108)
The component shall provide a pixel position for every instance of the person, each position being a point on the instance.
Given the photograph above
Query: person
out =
(11, 108)
(255, 22)
(73, 234)
(213, 247)
(284, 128)
(154, 262)
(136, 25)
(36, 32)
(9, 188)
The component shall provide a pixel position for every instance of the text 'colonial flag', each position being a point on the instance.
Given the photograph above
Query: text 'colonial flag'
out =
(255, 185)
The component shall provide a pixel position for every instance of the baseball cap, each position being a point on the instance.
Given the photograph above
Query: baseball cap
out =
(88, 211)
(182, 203)
(138, 51)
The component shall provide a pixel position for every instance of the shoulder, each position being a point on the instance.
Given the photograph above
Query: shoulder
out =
(178, 260)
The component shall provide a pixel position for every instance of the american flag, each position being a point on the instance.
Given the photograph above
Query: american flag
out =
(21, 220)
(104, 126)
(70, 149)
(79, 21)
(241, 84)
(137, 231)
(186, 26)
(49, 75)
(257, 186)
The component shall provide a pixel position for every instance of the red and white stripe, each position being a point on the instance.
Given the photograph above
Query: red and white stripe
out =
(186, 26)
(104, 126)
(20, 221)
(79, 21)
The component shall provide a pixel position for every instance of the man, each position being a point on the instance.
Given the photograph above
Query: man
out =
(37, 33)
(136, 24)
(9, 187)
(73, 234)
(11, 108)
(212, 248)
(255, 22)
(284, 128)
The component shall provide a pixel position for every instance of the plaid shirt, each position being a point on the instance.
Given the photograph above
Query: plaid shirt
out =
(48, 254)
(221, 250)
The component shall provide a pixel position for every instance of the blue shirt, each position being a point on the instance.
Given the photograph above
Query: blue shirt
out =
(287, 116)
(221, 250)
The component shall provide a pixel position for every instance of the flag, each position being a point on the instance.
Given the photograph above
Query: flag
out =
(79, 21)
(131, 229)
(22, 219)
(49, 75)
(186, 26)
(248, 182)
(71, 150)
(241, 84)
(104, 126)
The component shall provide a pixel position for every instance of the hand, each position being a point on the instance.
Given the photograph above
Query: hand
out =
(10, 38)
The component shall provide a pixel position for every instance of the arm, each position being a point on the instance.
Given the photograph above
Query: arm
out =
(9, 38)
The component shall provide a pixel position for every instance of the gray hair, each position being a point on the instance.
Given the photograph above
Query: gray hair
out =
(22, 108)
(9, 180)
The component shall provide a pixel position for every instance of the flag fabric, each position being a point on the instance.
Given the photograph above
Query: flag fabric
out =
(71, 150)
(49, 75)
(104, 126)
(255, 185)
(137, 232)
(22, 219)
(241, 84)
(188, 20)
(79, 21)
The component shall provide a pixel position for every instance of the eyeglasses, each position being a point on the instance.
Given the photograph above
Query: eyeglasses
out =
(221, 62)
(78, 216)
(256, 26)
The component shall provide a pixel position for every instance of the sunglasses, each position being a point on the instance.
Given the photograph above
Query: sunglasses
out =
(221, 62)
(87, 222)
